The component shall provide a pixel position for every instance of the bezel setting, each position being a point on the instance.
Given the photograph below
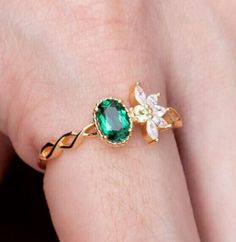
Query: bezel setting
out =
(98, 128)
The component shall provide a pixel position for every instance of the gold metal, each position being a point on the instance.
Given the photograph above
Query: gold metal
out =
(169, 119)
(70, 140)
(172, 117)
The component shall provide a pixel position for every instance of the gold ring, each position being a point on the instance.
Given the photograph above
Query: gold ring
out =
(113, 122)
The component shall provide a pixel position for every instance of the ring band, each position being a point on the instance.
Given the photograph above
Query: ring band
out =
(113, 122)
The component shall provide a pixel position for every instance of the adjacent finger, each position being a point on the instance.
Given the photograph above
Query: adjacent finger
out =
(202, 85)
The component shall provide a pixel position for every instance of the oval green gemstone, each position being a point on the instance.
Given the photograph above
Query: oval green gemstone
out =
(112, 120)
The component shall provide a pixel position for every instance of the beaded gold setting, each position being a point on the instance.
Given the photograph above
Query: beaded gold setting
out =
(98, 126)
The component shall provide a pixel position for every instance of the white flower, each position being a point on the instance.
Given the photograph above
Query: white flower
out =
(150, 112)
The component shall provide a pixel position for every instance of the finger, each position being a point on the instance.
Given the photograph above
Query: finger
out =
(202, 86)
(96, 193)
(131, 194)
(225, 13)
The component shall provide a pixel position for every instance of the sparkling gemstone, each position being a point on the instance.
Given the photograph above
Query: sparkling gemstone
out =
(163, 123)
(160, 122)
(112, 120)
(142, 113)
(156, 120)
(140, 95)
(152, 100)
(159, 111)
(152, 130)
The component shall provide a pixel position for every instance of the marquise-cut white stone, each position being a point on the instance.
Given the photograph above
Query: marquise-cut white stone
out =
(159, 111)
(160, 122)
(140, 95)
(152, 100)
(152, 130)
(163, 123)
(156, 120)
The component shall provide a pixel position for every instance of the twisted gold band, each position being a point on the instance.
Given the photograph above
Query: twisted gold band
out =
(70, 140)
(113, 122)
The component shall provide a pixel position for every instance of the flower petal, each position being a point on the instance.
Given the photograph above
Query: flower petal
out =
(163, 123)
(159, 111)
(152, 130)
(152, 100)
(156, 119)
(140, 95)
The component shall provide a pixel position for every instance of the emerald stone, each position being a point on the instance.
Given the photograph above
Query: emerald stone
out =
(112, 120)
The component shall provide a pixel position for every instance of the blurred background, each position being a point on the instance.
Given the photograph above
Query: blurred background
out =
(24, 215)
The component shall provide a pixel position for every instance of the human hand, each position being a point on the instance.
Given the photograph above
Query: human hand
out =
(59, 58)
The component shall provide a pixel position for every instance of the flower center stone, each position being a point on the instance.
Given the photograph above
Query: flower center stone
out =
(142, 113)
(112, 121)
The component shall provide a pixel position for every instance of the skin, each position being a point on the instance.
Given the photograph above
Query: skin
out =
(58, 58)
